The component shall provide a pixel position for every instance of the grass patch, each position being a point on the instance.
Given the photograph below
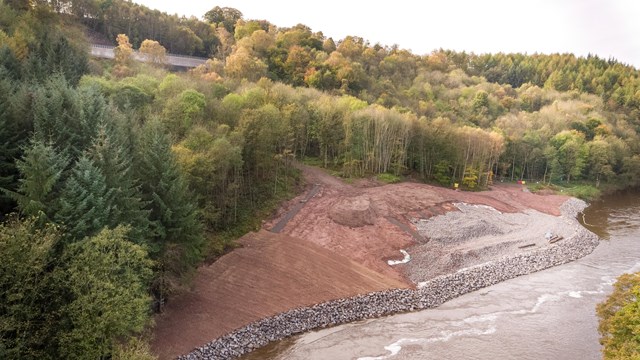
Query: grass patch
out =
(585, 192)
(388, 178)
(537, 187)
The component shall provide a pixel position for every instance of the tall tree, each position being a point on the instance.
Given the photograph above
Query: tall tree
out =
(59, 116)
(107, 279)
(567, 154)
(226, 16)
(41, 170)
(154, 52)
(27, 310)
(175, 220)
(86, 204)
(112, 156)
(12, 137)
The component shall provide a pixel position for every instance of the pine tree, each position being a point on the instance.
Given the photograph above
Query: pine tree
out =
(15, 129)
(41, 169)
(86, 204)
(8, 147)
(59, 116)
(10, 66)
(64, 58)
(109, 154)
(54, 51)
(173, 211)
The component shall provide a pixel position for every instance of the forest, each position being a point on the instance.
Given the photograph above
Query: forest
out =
(108, 162)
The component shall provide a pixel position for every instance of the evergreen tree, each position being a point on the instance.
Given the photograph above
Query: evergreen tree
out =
(9, 146)
(109, 154)
(53, 50)
(15, 128)
(86, 204)
(64, 58)
(59, 116)
(173, 212)
(41, 169)
(10, 66)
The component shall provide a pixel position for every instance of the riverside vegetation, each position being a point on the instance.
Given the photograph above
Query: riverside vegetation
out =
(118, 162)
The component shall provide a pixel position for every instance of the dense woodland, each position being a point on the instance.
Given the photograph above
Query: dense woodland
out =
(105, 162)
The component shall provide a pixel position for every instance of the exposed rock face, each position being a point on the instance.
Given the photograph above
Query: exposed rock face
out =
(429, 294)
(354, 212)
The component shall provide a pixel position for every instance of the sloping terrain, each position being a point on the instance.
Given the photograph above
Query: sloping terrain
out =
(370, 223)
(269, 274)
(334, 241)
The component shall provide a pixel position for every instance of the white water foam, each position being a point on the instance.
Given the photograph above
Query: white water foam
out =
(394, 349)
(575, 294)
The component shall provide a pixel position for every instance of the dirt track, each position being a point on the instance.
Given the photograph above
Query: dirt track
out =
(336, 245)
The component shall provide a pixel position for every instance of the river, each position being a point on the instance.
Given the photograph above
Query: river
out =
(545, 315)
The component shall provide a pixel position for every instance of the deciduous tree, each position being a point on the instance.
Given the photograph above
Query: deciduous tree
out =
(154, 52)
(107, 278)
(620, 318)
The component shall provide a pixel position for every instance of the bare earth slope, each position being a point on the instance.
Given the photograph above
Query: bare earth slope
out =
(370, 223)
(337, 245)
(271, 273)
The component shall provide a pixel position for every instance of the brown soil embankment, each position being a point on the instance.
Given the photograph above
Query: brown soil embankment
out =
(334, 246)
(269, 274)
(370, 224)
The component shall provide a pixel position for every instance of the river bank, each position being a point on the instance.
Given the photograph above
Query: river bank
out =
(429, 294)
(549, 314)
(453, 243)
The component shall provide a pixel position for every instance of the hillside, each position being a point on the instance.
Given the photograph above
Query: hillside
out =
(118, 161)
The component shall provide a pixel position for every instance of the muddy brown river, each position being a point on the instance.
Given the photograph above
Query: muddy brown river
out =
(546, 315)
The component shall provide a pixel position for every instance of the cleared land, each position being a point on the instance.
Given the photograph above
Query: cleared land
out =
(338, 244)
(269, 274)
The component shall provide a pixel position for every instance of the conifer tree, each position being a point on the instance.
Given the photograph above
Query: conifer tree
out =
(85, 203)
(41, 169)
(52, 50)
(109, 154)
(9, 146)
(10, 67)
(59, 116)
(174, 215)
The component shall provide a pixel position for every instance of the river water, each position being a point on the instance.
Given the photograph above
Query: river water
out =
(546, 315)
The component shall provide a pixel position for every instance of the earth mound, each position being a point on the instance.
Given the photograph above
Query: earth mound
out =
(354, 212)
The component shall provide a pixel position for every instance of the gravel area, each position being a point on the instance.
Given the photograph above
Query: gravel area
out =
(478, 233)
